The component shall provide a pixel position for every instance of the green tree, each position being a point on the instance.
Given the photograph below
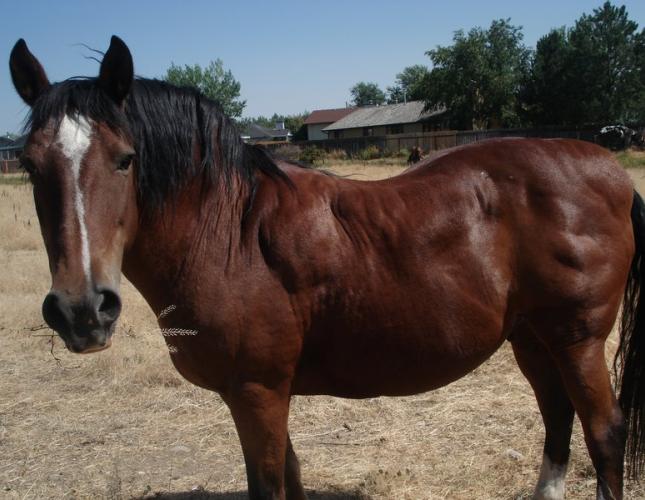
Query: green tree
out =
(213, 81)
(263, 121)
(294, 123)
(366, 93)
(478, 78)
(639, 50)
(604, 66)
(409, 84)
(547, 96)
(592, 74)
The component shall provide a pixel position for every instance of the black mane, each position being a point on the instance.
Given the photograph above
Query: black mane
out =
(177, 133)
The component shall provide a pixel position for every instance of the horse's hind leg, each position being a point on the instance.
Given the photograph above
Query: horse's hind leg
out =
(575, 338)
(539, 368)
(588, 384)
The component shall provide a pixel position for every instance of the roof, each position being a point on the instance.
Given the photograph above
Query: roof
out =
(327, 115)
(255, 131)
(11, 145)
(391, 114)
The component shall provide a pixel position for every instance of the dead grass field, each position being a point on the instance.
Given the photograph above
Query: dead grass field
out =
(123, 424)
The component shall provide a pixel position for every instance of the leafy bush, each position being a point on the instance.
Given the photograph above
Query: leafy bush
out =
(313, 155)
(403, 153)
(369, 153)
(337, 154)
(396, 153)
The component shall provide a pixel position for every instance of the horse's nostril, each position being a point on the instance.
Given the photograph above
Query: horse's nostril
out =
(56, 312)
(109, 306)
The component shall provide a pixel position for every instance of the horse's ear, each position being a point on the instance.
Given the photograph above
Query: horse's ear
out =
(117, 70)
(27, 73)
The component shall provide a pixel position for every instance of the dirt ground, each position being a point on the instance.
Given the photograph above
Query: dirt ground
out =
(123, 424)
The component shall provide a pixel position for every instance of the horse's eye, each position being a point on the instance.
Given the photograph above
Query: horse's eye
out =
(125, 162)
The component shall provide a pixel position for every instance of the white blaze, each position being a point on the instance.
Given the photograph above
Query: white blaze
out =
(551, 483)
(74, 139)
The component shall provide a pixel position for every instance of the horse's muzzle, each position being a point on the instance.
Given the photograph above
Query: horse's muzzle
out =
(86, 324)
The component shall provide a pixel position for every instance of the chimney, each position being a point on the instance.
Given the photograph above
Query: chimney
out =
(279, 125)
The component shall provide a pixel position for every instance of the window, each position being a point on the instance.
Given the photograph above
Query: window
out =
(395, 129)
(368, 131)
(337, 134)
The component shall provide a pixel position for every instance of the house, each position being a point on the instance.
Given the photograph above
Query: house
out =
(378, 121)
(10, 150)
(258, 133)
(321, 118)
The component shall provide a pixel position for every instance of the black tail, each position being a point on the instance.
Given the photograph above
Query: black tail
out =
(629, 363)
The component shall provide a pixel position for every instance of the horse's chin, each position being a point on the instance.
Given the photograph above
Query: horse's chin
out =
(97, 348)
(88, 349)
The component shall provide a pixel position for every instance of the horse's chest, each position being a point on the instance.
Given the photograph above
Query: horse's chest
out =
(197, 356)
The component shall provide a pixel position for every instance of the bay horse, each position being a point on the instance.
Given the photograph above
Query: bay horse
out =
(292, 281)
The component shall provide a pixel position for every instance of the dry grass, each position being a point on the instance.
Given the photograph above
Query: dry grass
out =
(367, 171)
(123, 424)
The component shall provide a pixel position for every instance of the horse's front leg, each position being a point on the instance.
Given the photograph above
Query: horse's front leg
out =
(260, 414)
(293, 482)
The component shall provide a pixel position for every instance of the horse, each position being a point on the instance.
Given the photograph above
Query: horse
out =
(291, 281)
(415, 155)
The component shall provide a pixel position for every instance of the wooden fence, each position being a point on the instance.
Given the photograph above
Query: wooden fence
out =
(9, 166)
(432, 141)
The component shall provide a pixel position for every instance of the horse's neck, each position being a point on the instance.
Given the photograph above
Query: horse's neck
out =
(185, 244)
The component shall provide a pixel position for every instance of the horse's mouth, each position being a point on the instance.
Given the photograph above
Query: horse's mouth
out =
(82, 346)
(96, 348)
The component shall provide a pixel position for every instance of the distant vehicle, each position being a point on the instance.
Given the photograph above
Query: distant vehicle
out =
(619, 137)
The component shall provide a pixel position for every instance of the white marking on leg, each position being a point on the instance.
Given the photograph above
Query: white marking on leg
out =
(74, 138)
(550, 486)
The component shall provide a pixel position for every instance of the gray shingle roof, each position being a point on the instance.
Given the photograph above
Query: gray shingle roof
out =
(255, 131)
(391, 114)
(20, 141)
(7, 144)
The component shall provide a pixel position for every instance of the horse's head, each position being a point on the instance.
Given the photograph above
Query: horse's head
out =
(79, 157)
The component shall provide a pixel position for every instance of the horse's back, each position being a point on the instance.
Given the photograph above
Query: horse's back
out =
(547, 206)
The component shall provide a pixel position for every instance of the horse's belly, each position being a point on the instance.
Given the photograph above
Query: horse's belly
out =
(394, 363)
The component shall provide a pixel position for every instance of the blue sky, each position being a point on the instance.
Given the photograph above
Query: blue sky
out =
(289, 56)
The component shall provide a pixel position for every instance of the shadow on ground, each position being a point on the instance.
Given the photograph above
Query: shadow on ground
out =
(242, 495)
